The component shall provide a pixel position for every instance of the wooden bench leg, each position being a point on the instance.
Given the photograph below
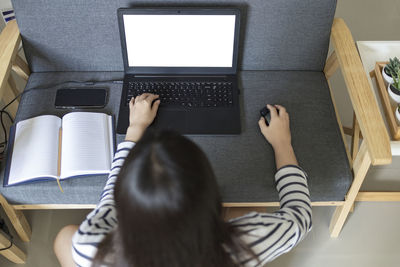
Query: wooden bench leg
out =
(13, 86)
(8, 95)
(21, 68)
(17, 219)
(360, 167)
(352, 208)
(355, 137)
(13, 253)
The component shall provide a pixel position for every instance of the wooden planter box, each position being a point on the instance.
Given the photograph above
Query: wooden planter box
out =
(388, 106)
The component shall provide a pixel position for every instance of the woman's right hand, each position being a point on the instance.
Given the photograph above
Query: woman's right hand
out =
(142, 112)
(278, 131)
(278, 135)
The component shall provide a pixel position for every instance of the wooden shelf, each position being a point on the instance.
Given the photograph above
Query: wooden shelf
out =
(388, 106)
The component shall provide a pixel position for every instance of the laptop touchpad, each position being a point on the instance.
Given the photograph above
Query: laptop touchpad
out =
(175, 120)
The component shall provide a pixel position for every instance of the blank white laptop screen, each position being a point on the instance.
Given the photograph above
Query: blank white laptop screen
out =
(179, 40)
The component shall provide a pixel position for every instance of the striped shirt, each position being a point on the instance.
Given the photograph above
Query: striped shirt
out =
(267, 234)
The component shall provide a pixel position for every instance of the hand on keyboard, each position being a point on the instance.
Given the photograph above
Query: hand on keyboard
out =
(142, 111)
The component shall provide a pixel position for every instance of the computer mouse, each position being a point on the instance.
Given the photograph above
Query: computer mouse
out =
(266, 114)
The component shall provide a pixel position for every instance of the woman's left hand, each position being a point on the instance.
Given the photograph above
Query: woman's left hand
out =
(142, 112)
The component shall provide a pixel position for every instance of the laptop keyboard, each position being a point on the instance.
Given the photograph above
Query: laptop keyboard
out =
(185, 94)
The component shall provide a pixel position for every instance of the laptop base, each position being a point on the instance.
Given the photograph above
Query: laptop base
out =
(189, 120)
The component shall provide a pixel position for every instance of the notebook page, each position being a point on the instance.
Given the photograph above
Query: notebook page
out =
(35, 151)
(85, 144)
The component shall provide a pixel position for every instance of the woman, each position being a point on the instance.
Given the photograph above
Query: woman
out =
(161, 205)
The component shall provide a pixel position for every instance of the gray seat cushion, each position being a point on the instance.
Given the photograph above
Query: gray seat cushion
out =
(275, 35)
(244, 164)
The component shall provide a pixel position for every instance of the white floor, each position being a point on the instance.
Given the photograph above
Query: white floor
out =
(371, 235)
(369, 238)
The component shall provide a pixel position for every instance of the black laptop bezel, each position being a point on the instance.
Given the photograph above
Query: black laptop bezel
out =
(180, 70)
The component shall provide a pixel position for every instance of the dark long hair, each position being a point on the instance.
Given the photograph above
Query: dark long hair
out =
(169, 209)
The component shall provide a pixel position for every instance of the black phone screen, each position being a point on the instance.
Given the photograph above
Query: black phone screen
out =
(81, 98)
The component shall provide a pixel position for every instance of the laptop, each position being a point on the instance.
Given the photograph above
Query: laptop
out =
(189, 58)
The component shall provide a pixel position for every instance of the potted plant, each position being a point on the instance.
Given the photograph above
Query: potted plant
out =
(398, 114)
(394, 88)
(392, 67)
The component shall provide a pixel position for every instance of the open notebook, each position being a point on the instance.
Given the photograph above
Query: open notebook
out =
(47, 147)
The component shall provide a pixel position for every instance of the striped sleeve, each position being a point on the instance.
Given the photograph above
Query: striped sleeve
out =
(271, 234)
(102, 219)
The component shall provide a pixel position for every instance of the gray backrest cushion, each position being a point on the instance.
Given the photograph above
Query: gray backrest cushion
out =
(82, 35)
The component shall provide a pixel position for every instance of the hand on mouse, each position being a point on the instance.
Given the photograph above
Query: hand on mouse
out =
(142, 112)
(278, 135)
(278, 131)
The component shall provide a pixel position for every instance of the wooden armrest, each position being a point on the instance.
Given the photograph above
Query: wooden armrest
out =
(9, 42)
(364, 103)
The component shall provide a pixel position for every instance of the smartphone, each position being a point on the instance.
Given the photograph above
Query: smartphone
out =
(81, 98)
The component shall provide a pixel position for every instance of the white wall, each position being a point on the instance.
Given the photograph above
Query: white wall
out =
(5, 4)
